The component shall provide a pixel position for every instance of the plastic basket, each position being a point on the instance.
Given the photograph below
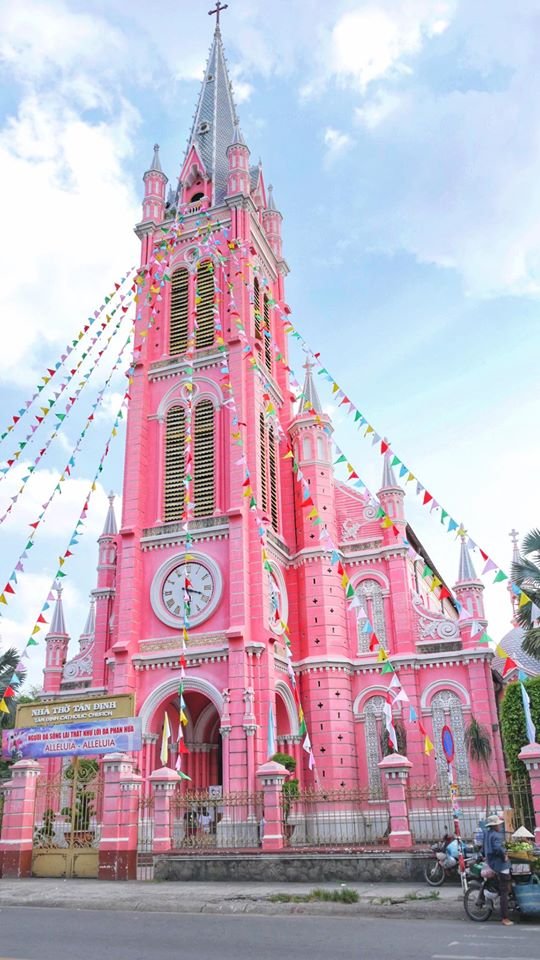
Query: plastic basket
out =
(528, 897)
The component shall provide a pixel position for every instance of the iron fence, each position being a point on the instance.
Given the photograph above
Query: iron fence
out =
(334, 818)
(145, 838)
(200, 820)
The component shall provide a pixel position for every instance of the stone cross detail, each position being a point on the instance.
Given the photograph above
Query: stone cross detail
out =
(219, 7)
(514, 536)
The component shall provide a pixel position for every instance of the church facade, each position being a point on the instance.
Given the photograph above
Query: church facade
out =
(238, 696)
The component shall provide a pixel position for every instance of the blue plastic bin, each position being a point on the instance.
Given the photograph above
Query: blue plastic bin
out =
(528, 897)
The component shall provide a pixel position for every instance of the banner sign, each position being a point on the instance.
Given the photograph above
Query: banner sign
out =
(73, 739)
(43, 713)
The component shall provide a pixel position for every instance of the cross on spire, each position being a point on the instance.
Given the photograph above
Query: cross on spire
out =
(219, 7)
(514, 536)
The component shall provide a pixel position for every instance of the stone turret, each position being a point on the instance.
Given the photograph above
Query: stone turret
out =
(155, 182)
(272, 221)
(238, 180)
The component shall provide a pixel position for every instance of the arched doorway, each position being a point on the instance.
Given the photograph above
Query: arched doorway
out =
(195, 749)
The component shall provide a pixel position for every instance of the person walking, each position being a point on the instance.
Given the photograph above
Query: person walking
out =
(497, 859)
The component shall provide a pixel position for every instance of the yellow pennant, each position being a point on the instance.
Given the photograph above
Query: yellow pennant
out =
(344, 580)
(289, 455)
(382, 655)
(183, 718)
(523, 599)
(4, 707)
(428, 746)
(500, 652)
(386, 523)
(313, 513)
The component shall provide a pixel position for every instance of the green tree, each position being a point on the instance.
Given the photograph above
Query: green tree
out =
(513, 727)
(526, 574)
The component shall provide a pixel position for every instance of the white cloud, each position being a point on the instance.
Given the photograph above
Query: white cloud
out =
(65, 177)
(63, 513)
(378, 109)
(336, 142)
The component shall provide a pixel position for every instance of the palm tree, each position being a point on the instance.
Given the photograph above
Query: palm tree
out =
(8, 664)
(479, 747)
(526, 574)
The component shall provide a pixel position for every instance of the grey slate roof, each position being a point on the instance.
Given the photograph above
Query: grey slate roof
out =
(90, 625)
(215, 119)
(110, 529)
(512, 644)
(156, 163)
(389, 481)
(309, 390)
(466, 572)
(58, 624)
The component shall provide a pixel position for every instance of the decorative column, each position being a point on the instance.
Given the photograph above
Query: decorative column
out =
(396, 771)
(530, 756)
(272, 776)
(119, 830)
(164, 782)
(18, 820)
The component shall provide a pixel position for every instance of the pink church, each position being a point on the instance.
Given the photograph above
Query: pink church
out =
(237, 683)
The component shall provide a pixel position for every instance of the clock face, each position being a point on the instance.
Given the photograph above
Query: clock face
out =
(186, 590)
(277, 604)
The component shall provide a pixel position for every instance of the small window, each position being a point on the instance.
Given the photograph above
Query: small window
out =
(196, 196)
(203, 127)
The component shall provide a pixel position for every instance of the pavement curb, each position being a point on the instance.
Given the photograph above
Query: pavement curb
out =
(401, 908)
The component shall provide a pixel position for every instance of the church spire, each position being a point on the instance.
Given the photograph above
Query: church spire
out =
(215, 122)
(310, 400)
(156, 162)
(58, 624)
(466, 573)
(110, 529)
(389, 481)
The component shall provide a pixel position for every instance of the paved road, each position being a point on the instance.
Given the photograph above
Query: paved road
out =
(34, 933)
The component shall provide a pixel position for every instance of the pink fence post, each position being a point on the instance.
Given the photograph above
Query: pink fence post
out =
(396, 771)
(118, 842)
(164, 782)
(18, 820)
(530, 756)
(272, 776)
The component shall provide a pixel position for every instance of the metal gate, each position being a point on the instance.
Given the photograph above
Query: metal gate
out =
(67, 822)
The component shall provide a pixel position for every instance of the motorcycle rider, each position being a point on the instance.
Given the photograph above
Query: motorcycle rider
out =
(497, 859)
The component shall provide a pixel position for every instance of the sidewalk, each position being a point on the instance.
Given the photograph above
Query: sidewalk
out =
(376, 899)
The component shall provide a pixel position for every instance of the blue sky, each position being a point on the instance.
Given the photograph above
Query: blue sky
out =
(402, 139)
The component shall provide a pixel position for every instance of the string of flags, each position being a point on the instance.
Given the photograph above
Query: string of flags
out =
(41, 622)
(61, 418)
(68, 349)
(19, 568)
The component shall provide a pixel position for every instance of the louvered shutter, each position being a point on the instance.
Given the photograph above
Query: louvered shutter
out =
(272, 460)
(267, 338)
(174, 464)
(178, 327)
(204, 336)
(257, 308)
(262, 454)
(204, 459)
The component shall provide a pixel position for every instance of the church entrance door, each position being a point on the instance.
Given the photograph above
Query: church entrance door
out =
(67, 820)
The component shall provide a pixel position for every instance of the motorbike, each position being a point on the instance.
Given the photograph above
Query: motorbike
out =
(482, 895)
(443, 866)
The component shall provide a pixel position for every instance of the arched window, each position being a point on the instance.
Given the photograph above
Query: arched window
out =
(257, 308)
(263, 456)
(204, 335)
(174, 463)
(320, 448)
(272, 461)
(267, 334)
(446, 708)
(371, 597)
(372, 732)
(204, 460)
(306, 448)
(178, 327)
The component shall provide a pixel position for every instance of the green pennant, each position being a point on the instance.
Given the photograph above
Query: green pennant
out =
(380, 513)
(31, 642)
(443, 515)
(485, 638)
(341, 459)
(350, 591)
(427, 572)
(302, 729)
(387, 667)
(357, 415)
(395, 461)
(500, 576)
